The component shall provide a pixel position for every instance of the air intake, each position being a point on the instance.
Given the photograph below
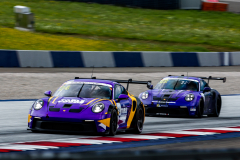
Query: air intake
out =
(54, 109)
(67, 105)
(76, 110)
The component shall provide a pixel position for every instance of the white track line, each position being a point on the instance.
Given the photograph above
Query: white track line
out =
(26, 147)
(191, 133)
(84, 141)
(143, 137)
(224, 129)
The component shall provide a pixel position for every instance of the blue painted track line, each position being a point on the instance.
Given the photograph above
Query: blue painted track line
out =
(124, 145)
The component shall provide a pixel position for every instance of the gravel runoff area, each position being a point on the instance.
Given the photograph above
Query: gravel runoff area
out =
(31, 83)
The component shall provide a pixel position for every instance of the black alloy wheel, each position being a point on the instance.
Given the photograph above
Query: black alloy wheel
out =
(113, 123)
(140, 120)
(137, 123)
(218, 105)
(200, 109)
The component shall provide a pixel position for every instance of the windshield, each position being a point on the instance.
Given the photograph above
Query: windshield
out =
(177, 84)
(84, 90)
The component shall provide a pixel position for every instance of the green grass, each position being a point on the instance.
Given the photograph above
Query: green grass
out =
(160, 30)
(20, 40)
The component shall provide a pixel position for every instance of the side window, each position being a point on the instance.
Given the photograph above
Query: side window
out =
(124, 91)
(117, 91)
(203, 85)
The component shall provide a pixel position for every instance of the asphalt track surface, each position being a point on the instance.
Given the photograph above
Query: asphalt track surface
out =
(14, 122)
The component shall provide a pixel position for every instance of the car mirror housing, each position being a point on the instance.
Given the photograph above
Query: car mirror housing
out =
(123, 96)
(48, 93)
(150, 87)
(206, 89)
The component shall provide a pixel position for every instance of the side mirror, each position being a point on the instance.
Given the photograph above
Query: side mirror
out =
(48, 93)
(206, 89)
(150, 87)
(123, 96)
(149, 84)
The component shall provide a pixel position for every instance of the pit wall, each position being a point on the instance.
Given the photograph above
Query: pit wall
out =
(28, 58)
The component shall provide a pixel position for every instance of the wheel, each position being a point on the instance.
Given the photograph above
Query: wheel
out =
(218, 105)
(113, 123)
(137, 124)
(200, 108)
(34, 131)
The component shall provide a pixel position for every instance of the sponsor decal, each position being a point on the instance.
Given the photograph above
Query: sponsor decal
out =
(71, 101)
(119, 108)
(163, 102)
(193, 109)
(102, 84)
(164, 81)
(162, 114)
(158, 105)
(124, 110)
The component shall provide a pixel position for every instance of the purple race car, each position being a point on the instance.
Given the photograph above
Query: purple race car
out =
(89, 105)
(182, 95)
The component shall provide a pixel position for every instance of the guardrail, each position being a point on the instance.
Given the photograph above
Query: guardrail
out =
(31, 58)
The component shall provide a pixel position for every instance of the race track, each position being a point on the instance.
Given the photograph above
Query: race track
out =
(14, 122)
(30, 83)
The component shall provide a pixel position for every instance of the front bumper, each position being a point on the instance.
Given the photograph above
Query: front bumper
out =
(68, 125)
(165, 111)
(39, 125)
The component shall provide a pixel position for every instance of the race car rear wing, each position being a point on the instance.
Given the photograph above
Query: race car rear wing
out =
(148, 83)
(224, 79)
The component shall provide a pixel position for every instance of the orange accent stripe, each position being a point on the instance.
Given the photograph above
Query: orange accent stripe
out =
(50, 99)
(114, 103)
(54, 100)
(91, 101)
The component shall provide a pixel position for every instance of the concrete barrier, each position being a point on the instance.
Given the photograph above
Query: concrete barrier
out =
(233, 5)
(25, 58)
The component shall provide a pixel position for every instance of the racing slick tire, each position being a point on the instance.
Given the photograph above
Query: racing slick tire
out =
(218, 105)
(137, 124)
(200, 108)
(113, 123)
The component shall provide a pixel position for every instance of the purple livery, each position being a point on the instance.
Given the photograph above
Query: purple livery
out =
(182, 95)
(89, 105)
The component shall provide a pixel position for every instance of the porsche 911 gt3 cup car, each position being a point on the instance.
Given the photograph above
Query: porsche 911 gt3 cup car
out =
(89, 105)
(182, 95)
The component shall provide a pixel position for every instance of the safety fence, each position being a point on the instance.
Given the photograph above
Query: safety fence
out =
(31, 58)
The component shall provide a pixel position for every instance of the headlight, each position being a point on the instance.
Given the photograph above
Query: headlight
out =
(97, 108)
(38, 104)
(145, 95)
(189, 97)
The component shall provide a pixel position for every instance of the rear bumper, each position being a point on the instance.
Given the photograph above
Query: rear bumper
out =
(53, 126)
(166, 111)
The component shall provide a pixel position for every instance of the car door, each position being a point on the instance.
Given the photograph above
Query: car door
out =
(123, 105)
(208, 97)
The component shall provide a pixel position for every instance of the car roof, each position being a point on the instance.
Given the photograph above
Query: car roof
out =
(94, 81)
(185, 77)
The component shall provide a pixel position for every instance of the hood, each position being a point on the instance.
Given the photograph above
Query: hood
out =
(71, 102)
(169, 94)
